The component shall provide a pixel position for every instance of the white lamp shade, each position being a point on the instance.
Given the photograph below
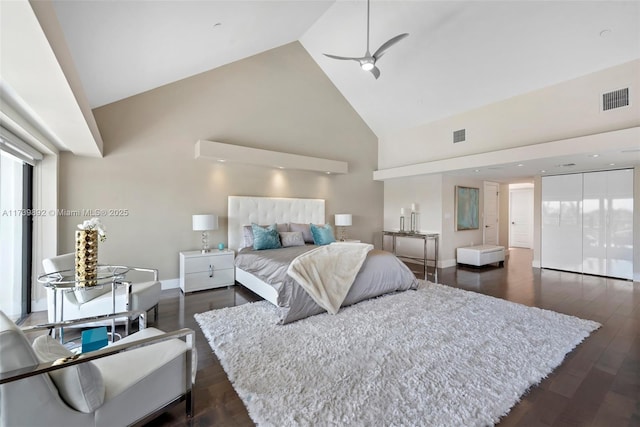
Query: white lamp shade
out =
(343, 220)
(205, 222)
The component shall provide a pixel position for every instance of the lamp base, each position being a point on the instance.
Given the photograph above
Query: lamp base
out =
(205, 243)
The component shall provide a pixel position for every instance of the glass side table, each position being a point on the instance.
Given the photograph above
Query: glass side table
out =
(65, 281)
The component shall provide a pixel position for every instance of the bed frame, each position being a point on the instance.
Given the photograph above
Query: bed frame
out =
(267, 210)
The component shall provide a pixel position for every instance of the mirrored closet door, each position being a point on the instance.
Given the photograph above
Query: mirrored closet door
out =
(587, 223)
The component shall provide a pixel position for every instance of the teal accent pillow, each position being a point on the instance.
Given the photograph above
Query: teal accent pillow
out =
(265, 238)
(322, 235)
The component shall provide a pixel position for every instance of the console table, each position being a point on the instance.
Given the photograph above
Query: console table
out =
(425, 237)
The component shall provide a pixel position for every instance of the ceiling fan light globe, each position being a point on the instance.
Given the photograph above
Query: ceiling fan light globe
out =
(367, 66)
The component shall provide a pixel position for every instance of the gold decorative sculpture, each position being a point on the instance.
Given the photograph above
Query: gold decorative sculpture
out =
(86, 257)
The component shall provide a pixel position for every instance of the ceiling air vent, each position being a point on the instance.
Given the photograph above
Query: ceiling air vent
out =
(459, 135)
(615, 99)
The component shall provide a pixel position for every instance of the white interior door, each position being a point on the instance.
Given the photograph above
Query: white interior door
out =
(490, 215)
(521, 218)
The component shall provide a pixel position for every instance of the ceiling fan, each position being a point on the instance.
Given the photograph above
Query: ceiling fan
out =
(368, 61)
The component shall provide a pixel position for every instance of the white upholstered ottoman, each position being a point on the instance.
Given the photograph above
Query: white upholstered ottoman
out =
(481, 255)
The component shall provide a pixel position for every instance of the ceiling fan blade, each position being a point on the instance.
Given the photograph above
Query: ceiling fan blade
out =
(346, 58)
(376, 72)
(381, 50)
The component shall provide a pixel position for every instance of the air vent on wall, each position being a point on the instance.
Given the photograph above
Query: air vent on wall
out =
(615, 99)
(459, 135)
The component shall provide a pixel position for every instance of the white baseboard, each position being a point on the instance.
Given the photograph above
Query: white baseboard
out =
(445, 263)
(39, 305)
(536, 263)
(170, 284)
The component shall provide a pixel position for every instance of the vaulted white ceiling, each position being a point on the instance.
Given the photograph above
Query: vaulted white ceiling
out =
(458, 56)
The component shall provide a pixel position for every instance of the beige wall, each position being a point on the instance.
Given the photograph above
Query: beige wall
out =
(452, 239)
(435, 197)
(565, 110)
(278, 100)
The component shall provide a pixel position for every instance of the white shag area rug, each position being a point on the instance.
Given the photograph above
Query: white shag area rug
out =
(438, 356)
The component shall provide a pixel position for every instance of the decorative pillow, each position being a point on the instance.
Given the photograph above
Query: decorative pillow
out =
(291, 238)
(305, 229)
(80, 386)
(322, 235)
(247, 232)
(265, 238)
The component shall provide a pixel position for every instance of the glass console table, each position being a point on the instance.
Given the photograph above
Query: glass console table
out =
(426, 237)
(65, 281)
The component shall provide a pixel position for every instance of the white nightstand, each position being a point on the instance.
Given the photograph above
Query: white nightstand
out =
(210, 270)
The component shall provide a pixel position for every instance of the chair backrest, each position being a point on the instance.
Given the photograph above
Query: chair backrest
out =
(59, 263)
(24, 395)
(67, 262)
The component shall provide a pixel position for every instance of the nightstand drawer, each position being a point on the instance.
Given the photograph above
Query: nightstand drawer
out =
(206, 280)
(200, 264)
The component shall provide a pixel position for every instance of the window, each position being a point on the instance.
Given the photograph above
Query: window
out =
(16, 184)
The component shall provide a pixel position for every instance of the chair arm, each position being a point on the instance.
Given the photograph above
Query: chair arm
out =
(154, 271)
(101, 318)
(30, 371)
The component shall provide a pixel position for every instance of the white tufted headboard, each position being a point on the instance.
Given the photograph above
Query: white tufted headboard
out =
(269, 210)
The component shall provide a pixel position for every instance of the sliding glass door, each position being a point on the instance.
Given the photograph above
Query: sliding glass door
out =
(15, 235)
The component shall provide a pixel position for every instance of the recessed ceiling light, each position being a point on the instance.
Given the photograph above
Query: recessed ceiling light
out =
(612, 164)
(542, 171)
(280, 167)
(476, 170)
(520, 165)
(328, 173)
(221, 160)
(594, 155)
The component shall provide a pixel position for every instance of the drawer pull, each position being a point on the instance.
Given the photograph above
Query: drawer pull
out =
(210, 270)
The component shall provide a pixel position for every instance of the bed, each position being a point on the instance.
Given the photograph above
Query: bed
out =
(265, 271)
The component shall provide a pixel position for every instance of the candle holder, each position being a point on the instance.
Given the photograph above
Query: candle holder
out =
(413, 222)
(402, 223)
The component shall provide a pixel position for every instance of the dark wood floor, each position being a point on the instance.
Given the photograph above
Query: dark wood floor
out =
(598, 384)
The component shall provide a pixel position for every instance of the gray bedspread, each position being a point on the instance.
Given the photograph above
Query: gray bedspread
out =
(381, 273)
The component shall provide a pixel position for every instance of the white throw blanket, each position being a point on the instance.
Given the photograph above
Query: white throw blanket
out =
(328, 272)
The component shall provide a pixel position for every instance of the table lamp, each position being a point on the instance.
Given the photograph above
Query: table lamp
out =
(205, 223)
(342, 221)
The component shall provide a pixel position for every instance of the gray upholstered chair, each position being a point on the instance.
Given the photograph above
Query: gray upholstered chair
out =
(98, 301)
(132, 381)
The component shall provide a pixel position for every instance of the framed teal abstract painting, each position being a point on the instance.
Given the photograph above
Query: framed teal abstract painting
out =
(467, 208)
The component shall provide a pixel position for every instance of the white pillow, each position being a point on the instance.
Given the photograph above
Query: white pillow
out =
(305, 229)
(291, 238)
(80, 386)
